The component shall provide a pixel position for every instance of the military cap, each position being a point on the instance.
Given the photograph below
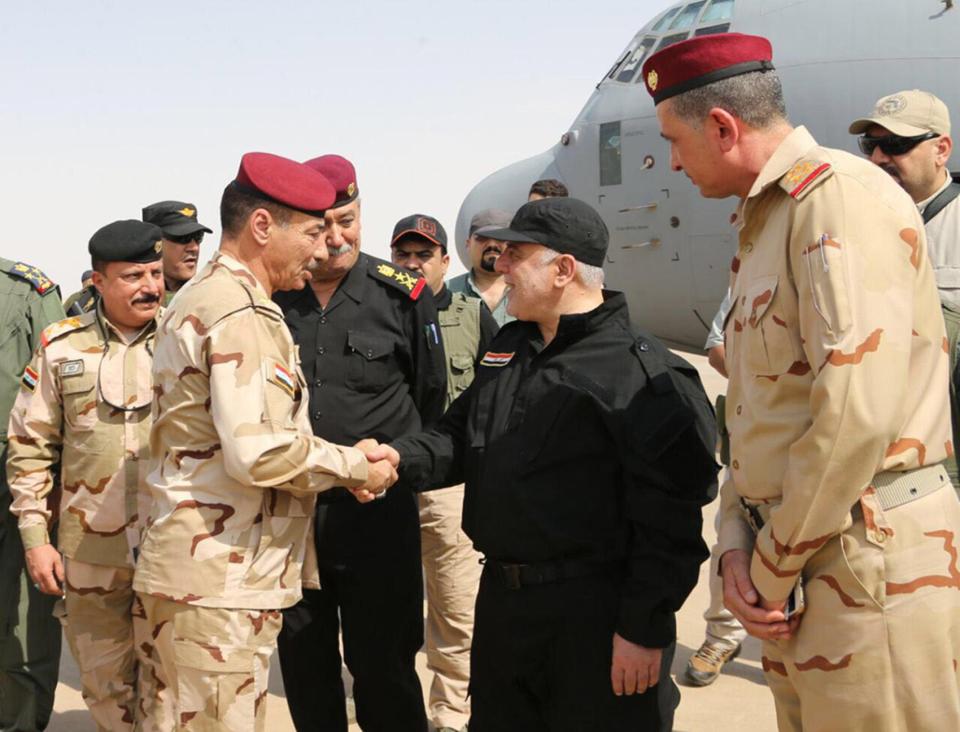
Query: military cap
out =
(704, 60)
(176, 218)
(566, 225)
(127, 241)
(341, 173)
(426, 227)
(284, 182)
(489, 219)
(908, 114)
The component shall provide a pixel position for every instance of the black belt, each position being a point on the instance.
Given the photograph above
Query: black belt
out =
(334, 495)
(514, 576)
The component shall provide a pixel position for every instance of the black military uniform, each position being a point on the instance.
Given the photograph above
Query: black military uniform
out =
(374, 362)
(586, 462)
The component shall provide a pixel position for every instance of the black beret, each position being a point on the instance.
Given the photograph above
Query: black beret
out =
(176, 218)
(127, 241)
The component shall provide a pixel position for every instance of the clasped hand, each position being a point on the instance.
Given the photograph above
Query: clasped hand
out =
(381, 470)
(760, 617)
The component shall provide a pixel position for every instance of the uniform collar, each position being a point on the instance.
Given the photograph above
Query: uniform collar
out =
(239, 270)
(355, 281)
(926, 202)
(106, 327)
(612, 309)
(443, 298)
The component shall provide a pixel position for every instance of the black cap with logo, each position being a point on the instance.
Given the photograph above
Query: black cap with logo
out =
(176, 218)
(425, 227)
(127, 241)
(566, 225)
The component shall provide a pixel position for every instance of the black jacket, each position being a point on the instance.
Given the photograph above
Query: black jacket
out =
(598, 446)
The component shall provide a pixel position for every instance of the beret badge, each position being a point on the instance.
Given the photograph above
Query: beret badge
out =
(653, 78)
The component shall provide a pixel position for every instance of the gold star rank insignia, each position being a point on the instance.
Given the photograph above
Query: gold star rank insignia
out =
(406, 279)
(386, 270)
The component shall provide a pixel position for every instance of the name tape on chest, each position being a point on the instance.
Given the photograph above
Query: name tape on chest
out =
(71, 368)
(30, 379)
(496, 360)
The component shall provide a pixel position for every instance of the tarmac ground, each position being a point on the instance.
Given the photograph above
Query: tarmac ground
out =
(739, 700)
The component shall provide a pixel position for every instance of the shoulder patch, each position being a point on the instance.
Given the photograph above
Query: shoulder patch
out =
(30, 379)
(41, 283)
(804, 177)
(399, 277)
(67, 325)
(496, 360)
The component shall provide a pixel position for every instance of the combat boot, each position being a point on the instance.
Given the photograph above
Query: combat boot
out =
(705, 665)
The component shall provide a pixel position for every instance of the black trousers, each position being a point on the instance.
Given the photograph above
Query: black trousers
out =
(541, 660)
(373, 588)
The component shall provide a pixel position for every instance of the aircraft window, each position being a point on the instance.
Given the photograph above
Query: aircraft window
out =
(722, 28)
(689, 14)
(610, 174)
(616, 64)
(662, 23)
(636, 58)
(670, 40)
(718, 10)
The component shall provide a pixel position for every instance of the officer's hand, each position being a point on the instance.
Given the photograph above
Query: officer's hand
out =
(742, 599)
(45, 566)
(377, 452)
(635, 668)
(380, 476)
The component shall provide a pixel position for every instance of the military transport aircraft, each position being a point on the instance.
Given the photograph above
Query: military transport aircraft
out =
(670, 249)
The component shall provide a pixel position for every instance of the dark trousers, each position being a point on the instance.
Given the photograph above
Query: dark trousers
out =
(541, 662)
(376, 596)
(29, 637)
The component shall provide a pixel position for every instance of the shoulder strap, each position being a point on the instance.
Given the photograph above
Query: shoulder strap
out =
(398, 277)
(40, 282)
(941, 201)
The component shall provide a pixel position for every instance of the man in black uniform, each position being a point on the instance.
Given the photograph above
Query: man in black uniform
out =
(372, 354)
(587, 451)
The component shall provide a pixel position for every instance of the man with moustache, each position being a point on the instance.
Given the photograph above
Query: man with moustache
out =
(234, 469)
(483, 280)
(451, 565)
(373, 358)
(83, 412)
(182, 236)
(908, 135)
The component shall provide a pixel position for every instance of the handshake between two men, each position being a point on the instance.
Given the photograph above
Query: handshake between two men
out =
(381, 470)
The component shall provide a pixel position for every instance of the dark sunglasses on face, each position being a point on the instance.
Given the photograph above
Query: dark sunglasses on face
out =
(186, 238)
(893, 144)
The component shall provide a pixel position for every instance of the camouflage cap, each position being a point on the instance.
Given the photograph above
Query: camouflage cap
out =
(907, 113)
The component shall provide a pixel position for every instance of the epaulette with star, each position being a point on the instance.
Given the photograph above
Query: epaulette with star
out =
(804, 177)
(67, 325)
(403, 279)
(41, 283)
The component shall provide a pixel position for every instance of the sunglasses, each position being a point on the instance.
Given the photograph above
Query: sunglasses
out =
(186, 238)
(893, 144)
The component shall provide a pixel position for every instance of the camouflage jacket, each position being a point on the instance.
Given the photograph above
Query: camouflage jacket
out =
(836, 352)
(84, 403)
(234, 463)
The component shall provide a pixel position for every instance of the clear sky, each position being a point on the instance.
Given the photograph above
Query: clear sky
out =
(107, 106)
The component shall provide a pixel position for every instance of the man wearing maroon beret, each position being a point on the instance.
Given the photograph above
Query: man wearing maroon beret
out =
(839, 528)
(370, 347)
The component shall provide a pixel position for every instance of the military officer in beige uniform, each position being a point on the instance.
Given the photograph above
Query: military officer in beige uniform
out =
(837, 406)
(84, 403)
(234, 465)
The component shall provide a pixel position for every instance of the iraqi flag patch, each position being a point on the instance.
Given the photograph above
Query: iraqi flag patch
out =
(495, 359)
(283, 378)
(30, 379)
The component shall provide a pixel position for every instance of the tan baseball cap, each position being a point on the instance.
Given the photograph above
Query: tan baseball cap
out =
(907, 113)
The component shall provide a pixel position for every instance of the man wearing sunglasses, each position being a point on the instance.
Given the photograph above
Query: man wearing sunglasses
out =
(182, 236)
(908, 135)
(83, 412)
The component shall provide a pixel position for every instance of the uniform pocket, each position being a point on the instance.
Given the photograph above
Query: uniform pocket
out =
(81, 412)
(214, 683)
(769, 349)
(371, 363)
(461, 374)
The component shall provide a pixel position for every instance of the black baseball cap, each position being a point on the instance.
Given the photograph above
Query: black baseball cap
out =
(425, 227)
(176, 218)
(127, 241)
(566, 225)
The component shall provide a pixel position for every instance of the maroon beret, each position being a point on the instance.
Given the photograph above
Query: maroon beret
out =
(340, 172)
(285, 182)
(700, 61)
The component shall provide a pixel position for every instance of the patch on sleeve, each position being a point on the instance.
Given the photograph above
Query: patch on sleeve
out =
(284, 379)
(496, 359)
(804, 177)
(399, 278)
(41, 283)
(30, 379)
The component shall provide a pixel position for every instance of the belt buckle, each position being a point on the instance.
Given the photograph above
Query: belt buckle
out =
(511, 576)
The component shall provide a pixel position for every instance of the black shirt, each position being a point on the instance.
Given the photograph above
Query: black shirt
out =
(588, 448)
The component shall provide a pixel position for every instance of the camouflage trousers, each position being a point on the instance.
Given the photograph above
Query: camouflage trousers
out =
(878, 647)
(452, 569)
(97, 620)
(203, 668)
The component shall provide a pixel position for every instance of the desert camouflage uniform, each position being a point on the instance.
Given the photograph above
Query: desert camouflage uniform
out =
(234, 472)
(838, 387)
(84, 402)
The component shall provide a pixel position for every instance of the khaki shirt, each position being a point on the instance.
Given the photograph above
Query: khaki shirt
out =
(234, 464)
(943, 237)
(84, 402)
(835, 349)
